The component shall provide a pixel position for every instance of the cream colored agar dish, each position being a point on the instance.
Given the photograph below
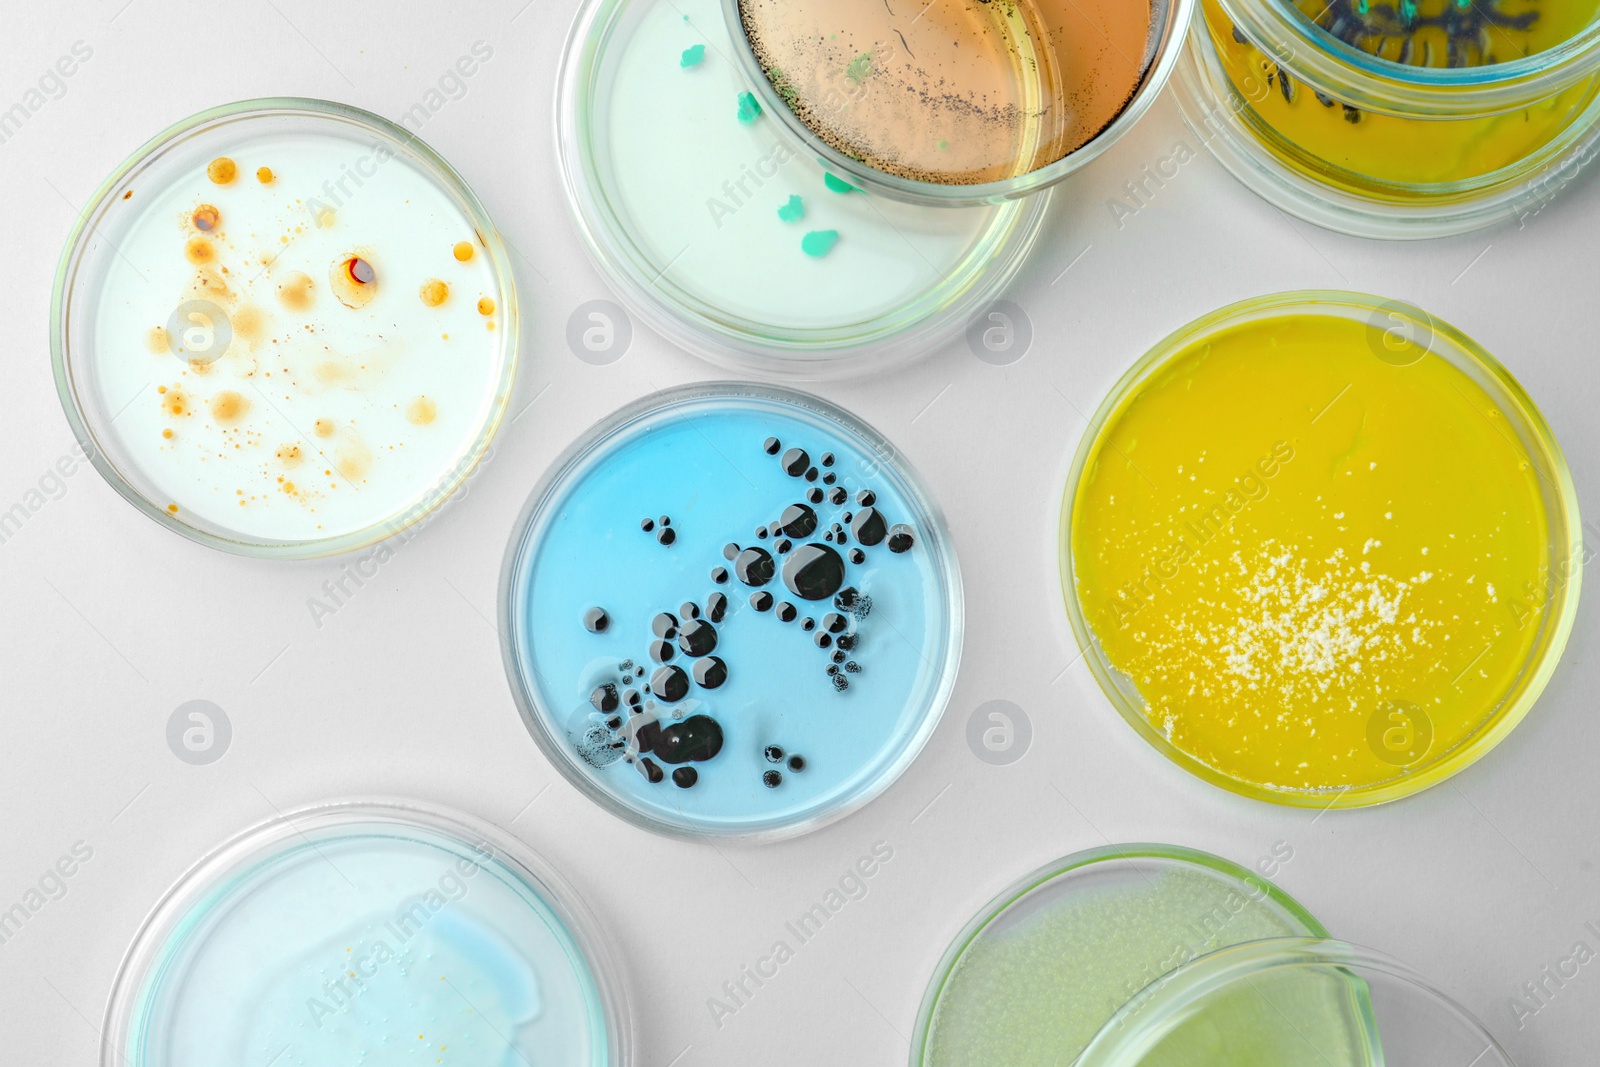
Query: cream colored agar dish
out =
(299, 338)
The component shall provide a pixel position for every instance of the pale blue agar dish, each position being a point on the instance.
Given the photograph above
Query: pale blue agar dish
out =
(367, 933)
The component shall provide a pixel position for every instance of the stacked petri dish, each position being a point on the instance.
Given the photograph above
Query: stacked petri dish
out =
(733, 610)
(1146, 955)
(967, 103)
(715, 191)
(1408, 120)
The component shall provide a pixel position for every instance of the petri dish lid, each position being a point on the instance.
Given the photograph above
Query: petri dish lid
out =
(959, 102)
(224, 372)
(367, 928)
(705, 214)
(731, 610)
(1438, 59)
(1293, 1002)
(1045, 966)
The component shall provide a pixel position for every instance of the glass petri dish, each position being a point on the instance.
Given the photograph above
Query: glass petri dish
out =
(1321, 549)
(1261, 1003)
(1431, 119)
(252, 321)
(698, 207)
(380, 929)
(731, 610)
(957, 103)
(1052, 961)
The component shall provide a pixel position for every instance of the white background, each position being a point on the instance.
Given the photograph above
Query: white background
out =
(108, 623)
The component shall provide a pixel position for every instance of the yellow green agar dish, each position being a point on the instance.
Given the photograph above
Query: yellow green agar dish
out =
(1049, 962)
(1320, 549)
(1264, 1003)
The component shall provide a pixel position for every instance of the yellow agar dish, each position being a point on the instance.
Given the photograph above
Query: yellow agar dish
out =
(1354, 149)
(1318, 552)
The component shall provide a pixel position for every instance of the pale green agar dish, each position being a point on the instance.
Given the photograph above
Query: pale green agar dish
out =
(1039, 973)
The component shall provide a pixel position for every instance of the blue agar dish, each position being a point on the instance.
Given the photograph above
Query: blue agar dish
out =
(366, 933)
(730, 610)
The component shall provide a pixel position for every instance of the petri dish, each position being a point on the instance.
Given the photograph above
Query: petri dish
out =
(367, 929)
(1321, 549)
(958, 103)
(1249, 1005)
(731, 610)
(700, 209)
(1049, 966)
(1431, 118)
(284, 328)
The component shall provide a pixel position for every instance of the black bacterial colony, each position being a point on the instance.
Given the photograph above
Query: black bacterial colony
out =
(635, 720)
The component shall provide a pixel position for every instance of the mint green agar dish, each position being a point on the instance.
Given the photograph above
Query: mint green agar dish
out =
(1048, 964)
(689, 191)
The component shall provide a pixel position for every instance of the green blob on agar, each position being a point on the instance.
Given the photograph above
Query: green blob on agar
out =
(693, 56)
(784, 88)
(819, 243)
(838, 185)
(793, 211)
(749, 108)
(859, 68)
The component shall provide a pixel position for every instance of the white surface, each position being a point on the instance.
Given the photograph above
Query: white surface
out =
(110, 622)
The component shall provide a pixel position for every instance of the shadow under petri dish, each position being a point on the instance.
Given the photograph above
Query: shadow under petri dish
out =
(954, 93)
